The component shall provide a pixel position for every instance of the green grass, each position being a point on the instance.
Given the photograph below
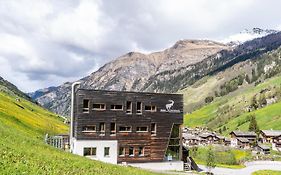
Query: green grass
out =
(267, 172)
(224, 157)
(268, 117)
(22, 150)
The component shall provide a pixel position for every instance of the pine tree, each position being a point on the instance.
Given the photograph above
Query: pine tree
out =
(253, 126)
(210, 159)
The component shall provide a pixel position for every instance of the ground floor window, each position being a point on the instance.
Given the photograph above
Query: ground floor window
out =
(121, 151)
(131, 151)
(90, 151)
(141, 151)
(174, 146)
(106, 151)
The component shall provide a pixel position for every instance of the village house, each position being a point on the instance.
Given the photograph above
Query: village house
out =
(276, 144)
(242, 139)
(263, 149)
(266, 136)
(127, 127)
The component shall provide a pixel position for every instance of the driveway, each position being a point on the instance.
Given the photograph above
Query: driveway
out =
(248, 170)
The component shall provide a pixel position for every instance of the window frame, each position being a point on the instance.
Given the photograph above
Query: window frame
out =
(123, 150)
(98, 109)
(129, 110)
(105, 151)
(153, 132)
(141, 151)
(114, 109)
(91, 151)
(151, 108)
(102, 132)
(89, 131)
(141, 127)
(139, 111)
(133, 149)
(113, 132)
(125, 127)
(86, 110)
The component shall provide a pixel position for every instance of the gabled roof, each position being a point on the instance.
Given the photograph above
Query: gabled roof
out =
(244, 134)
(271, 133)
(264, 147)
(243, 140)
(205, 135)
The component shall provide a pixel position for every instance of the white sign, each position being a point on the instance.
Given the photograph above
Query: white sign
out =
(169, 107)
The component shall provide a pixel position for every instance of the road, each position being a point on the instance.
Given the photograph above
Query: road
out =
(248, 170)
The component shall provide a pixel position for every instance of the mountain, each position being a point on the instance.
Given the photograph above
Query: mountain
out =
(12, 89)
(247, 34)
(23, 126)
(133, 70)
(171, 70)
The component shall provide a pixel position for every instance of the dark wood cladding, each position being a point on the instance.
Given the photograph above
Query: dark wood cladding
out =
(154, 146)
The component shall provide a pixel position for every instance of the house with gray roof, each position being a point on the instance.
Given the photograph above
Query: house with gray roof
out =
(244, 138)
(268, 135)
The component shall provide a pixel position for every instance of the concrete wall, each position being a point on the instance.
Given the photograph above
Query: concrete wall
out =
(161, 166)
(78, 148)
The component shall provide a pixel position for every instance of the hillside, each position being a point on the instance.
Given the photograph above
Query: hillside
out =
(23, 151)
(171, 70)
(232, 111)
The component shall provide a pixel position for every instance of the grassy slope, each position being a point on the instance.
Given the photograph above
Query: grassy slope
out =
(268, 117)
(22, 150)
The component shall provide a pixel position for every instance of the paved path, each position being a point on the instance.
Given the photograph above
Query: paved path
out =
(248, 170)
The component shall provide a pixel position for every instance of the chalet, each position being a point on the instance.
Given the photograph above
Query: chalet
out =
(126, 127)
(262, 149)
(243, 137)
(268, 135)
(209, 138)
(243, 143)
(276, 143)
(191, 140)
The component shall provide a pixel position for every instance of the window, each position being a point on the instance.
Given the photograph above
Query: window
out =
(142, 129)
(141, 151)
(90, 151)
(99, 106)
(116, 107)
(106, 151)
(131, 151)
(112, 128)
(129, 107)
(153, 128)
(121, 151)
(150, 108)
(86, 105)
(89, 128)
(102, 129)
(139, 108)
(125, 128)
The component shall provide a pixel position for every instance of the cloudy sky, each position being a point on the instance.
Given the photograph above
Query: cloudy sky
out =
(46, 43)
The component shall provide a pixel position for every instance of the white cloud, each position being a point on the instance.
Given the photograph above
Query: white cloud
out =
(45, 43)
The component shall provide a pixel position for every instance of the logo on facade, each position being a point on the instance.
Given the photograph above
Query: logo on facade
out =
(169, 107)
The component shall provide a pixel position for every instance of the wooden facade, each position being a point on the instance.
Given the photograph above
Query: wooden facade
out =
(147, 132)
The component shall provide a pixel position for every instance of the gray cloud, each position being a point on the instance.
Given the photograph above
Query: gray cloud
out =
(46, 43)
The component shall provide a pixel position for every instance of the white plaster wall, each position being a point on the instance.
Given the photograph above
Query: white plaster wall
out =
(161, 166)
(78, 148)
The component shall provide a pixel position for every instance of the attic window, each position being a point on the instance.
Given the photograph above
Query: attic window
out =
(86, 105)
(116, 107)
(150, 108)
(99, 106)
